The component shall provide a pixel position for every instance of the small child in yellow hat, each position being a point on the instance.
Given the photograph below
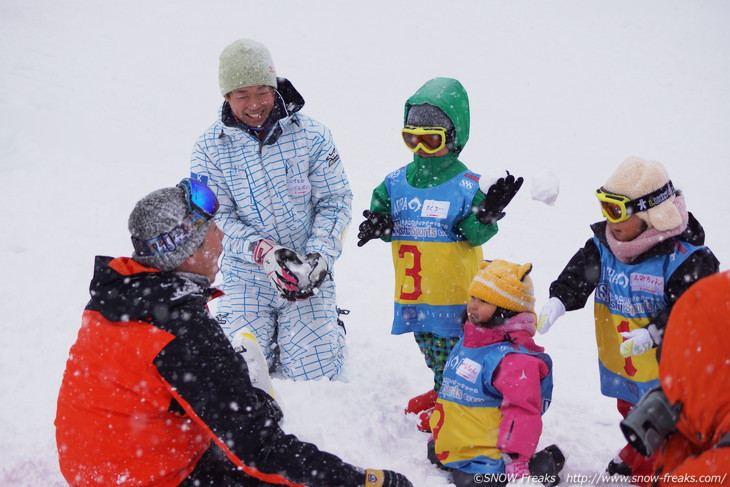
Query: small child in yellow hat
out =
(497, 384)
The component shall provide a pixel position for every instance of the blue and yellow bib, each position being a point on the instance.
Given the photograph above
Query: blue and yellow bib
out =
(466, 420)
(626, 297)
(433, 265)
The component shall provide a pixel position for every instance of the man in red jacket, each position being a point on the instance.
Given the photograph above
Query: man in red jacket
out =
(694, 373)
(154, 394)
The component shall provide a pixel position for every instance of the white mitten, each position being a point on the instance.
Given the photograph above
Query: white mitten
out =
(637, 342)
(553, 309)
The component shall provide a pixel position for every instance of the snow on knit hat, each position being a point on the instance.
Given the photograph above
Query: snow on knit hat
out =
(504, 284)
(163, 212)
(635, 178)
(245, 63)
(426, 115)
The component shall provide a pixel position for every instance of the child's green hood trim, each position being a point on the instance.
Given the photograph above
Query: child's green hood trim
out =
(450, 96)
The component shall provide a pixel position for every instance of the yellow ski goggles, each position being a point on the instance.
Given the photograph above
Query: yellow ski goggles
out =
(618, 208)
(429, 139)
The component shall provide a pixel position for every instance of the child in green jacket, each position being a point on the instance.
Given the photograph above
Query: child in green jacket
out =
(437, 218)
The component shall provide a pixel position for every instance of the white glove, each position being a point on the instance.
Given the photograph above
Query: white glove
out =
(637, 342)
(283, 266)
(553, 309)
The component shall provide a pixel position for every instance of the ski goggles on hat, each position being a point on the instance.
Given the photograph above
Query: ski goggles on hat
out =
(200, 198)
(618, 208)
(202, 204)
(428, 139)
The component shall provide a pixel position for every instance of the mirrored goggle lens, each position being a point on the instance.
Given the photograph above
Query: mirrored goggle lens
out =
(200, 198)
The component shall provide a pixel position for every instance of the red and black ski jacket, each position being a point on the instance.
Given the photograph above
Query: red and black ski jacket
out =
(152, 380)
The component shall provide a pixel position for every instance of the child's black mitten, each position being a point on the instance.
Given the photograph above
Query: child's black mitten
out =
(490, 210)
(547, 464)
(376, 225)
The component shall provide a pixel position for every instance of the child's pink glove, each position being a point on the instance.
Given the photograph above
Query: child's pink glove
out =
(516, 470)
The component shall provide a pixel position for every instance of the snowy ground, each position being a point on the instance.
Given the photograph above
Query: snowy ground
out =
(102, 104)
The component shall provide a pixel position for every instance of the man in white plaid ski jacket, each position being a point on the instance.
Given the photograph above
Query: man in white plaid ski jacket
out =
(285, 203)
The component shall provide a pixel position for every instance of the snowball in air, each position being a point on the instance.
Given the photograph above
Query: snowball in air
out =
(545, 188)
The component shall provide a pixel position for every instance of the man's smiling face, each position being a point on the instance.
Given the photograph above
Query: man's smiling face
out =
(252, 105)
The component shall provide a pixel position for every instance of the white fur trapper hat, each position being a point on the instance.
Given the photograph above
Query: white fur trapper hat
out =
(635, 178)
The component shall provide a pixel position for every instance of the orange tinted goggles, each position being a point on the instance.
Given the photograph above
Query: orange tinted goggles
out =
(615, 207)
(428, 139)
(618, 208)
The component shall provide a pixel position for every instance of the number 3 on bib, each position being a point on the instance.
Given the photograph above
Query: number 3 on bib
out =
(414, 271)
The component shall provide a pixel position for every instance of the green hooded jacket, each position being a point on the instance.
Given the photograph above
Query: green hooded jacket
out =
(425, 172)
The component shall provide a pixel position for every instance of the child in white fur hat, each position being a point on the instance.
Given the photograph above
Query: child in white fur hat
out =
(639, 261)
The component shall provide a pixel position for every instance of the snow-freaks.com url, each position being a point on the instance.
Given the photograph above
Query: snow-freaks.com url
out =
(576, 478)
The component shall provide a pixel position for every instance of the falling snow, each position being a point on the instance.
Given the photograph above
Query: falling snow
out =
(102, 104)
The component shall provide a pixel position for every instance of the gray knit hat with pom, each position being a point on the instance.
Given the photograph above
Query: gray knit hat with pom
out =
(161, 213)
(245, 63)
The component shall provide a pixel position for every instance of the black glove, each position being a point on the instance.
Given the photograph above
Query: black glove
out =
(273, 409)
(547, 464)
(376, 225)
(498, 197)
(385, 478)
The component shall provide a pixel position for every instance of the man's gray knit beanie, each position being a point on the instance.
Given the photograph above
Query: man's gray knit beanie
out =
(158, 213)
(245, 63)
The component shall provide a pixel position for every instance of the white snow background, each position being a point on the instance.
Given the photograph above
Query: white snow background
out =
(100, 103)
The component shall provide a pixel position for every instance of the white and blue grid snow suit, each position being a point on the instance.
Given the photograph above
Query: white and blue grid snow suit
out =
(292, 189)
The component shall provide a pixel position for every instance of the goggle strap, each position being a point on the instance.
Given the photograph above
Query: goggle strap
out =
(650, 200)
(169, 241)
(643, 203)
(659, 196)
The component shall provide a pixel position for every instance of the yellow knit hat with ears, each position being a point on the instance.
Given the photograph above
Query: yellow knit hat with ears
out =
(504, 284)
